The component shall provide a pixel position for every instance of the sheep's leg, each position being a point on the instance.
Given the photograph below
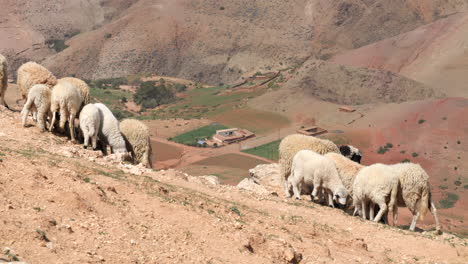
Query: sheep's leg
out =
(413, 223)
(25, 113)
(53, 121)
(434, 213)
(330, 199)
(395, 216)
(287, 189)
(364, 209)
(371, 210)
(296, 190)
(63, 117)
(94, 139)
(71, 124)
(383, 209)
(41, 120)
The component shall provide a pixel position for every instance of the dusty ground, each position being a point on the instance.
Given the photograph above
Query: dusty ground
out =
(61, 203)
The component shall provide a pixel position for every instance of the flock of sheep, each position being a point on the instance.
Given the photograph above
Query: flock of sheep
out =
(50, 99)
(308, 165)
(318, 167)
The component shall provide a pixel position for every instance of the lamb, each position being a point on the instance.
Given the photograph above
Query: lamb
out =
(109, 132)
(414, 193)
(90, 121)
(32, 73)
(291, 144)
(82, 87)
(38, 100)
(67, 99)
(3, 80)
(377, 184)
(310, 168)
(138, 136)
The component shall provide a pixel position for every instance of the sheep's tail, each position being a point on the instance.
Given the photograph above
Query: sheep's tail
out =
(424, 202)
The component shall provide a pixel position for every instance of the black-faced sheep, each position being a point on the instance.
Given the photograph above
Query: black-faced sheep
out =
(39, 97)
(3, 79)
(32, 73)
(310, 168)
(351, 152)
(292, 144)
(375, 184)
(109, 132)
(414, 193)
(66, 99)
(137, 135)
(90, 122)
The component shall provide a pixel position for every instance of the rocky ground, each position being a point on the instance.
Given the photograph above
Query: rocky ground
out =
(61, 203)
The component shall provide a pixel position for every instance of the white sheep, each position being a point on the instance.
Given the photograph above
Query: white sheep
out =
(375, 184)
(81, 85)
(292, 144)
(32, 73)
(310, 168)
(39, 97)
(3, 80)
(109, 132)
(66, 99)
(90, 122)
(137, 135)
(414, 192)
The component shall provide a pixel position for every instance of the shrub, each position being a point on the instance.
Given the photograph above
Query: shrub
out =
(458, 142)
(382, 150)
(421, 121)
(124, 100)
(150, 95)
(443, 187)
(57, 44)
(414, 154)
(389, 145)
(457, 183)
(465, 186)
(121, 114)
(450, 201)
(108, 35)
(405, 161)
(403, 151)
(180, 87)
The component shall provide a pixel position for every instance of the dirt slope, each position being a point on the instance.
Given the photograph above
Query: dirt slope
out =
(434, 54)
(61, 203)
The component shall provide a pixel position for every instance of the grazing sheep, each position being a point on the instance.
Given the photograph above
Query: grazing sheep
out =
(414, 193)
(138, 136)
(109, 132)
(32, 73)
(38, 101)
(347, 170)
(351, 152)
(90, 121)
(377, 184)
(3, 80)
(82, 87)
(66, 99)
(310, 168)
(291, 144)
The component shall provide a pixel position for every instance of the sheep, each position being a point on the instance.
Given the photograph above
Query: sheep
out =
(310, 168)
(38, 100)
(291, 144)
(351, 152)
(90, 122)
(109, 132)
(414, 193)
(32, 73)
(82, 87)
(138, 136)
(67, 99)
(3, 80)
(377, 184)
(347, 170)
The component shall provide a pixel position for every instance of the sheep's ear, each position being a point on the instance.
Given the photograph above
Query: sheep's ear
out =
(356, 158)
(345, 150)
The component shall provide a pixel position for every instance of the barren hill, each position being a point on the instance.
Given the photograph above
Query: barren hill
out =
(210, 41)
(73, 206)
(434, 54)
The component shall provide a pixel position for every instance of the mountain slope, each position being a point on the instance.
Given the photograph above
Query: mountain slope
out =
(434, 54)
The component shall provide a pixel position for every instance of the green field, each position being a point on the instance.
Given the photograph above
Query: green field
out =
(269, 150)
(190, 138)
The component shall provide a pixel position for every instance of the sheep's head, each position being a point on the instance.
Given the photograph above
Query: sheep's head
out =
(351, 153)
(340, 195)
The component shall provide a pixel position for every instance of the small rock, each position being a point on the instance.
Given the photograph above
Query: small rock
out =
(133, 242)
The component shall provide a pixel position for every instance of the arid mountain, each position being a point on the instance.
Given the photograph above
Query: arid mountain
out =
(435, 54)
(209, 41)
